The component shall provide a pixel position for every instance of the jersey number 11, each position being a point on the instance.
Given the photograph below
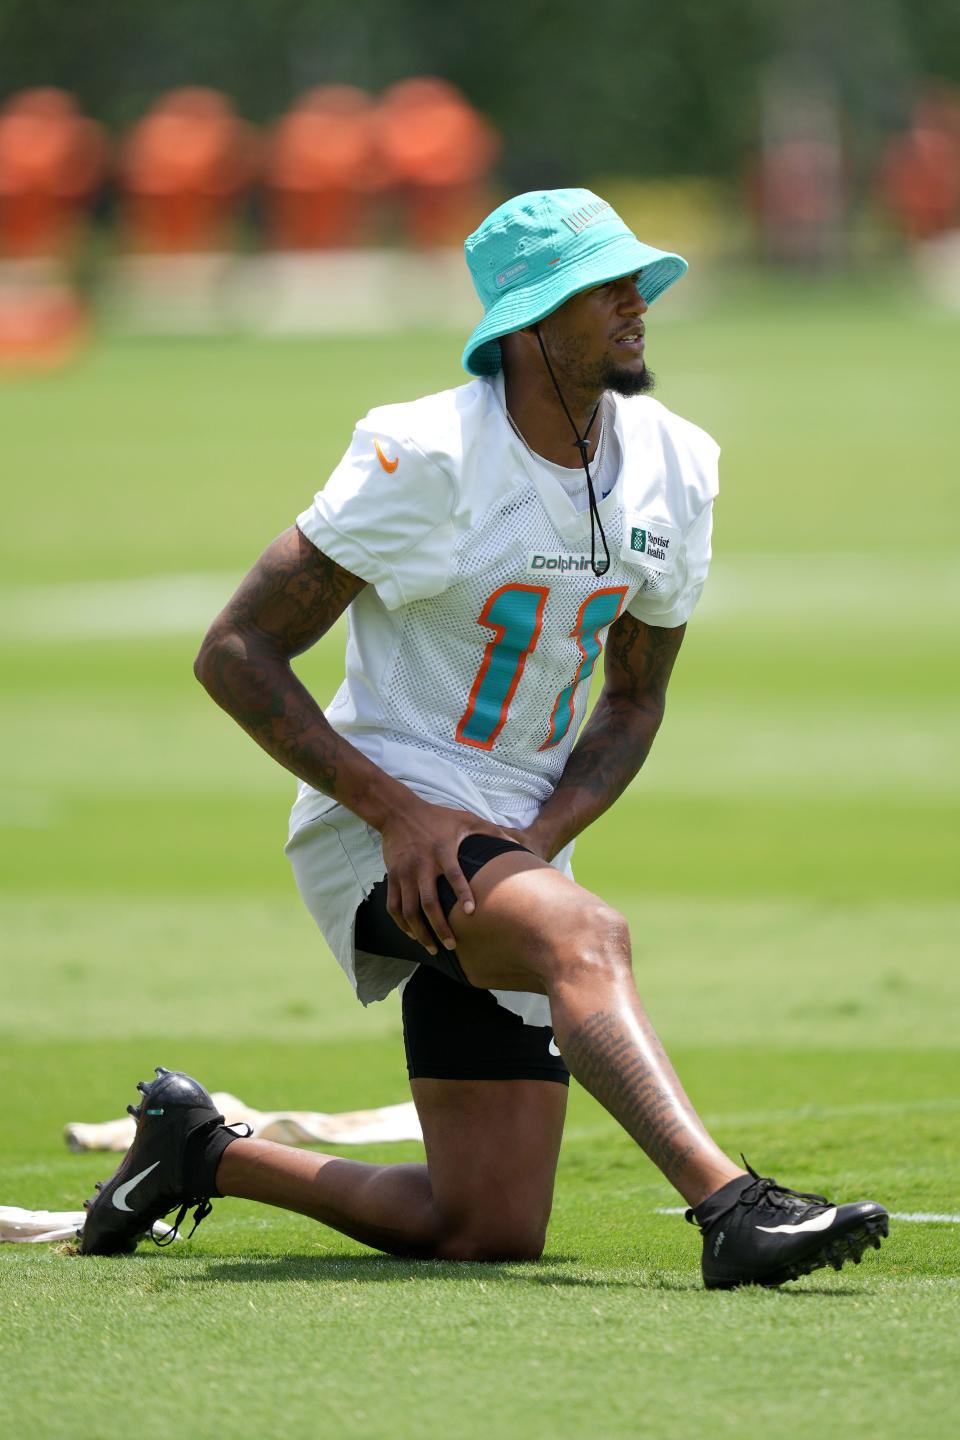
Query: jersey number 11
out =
(515, 615)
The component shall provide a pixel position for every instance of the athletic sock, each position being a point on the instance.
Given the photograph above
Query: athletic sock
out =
(721, 1201)
(204, 1153)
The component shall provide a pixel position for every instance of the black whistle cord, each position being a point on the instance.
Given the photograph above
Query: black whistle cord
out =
(581, 444)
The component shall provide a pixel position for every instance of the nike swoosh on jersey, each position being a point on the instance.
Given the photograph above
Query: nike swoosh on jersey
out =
(553, 1048)
(388, 465)
(816, 1222)
(122, 1191)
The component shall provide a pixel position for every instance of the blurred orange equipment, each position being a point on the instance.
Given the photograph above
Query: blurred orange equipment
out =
(920, 173)
(439, 151)
(51, 159)
(184, 166)
(322, 170)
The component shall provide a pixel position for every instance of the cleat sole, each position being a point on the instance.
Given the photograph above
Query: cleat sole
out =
(116, 1230)
(834, 1253)
(845, 1247)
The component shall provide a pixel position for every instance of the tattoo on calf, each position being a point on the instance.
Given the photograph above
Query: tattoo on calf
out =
(608, 1061)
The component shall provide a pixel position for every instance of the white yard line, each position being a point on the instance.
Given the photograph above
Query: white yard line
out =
(153, 605)
(911, 1216)
(715, 1118)
(830, 1112)
(794, 588)
(785, 588)
(922, 1216)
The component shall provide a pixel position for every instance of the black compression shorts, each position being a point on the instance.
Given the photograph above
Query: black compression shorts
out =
(451, 1029)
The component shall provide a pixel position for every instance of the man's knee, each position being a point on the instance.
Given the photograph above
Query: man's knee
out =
(596, 944)
(492, 1242)
(472, 1227)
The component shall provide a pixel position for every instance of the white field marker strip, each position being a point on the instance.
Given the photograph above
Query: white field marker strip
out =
(115, 609)
(151, 605)
(792, 587)
(713, 1118)
(788, 587)
(825, 1112)
(917, 1217)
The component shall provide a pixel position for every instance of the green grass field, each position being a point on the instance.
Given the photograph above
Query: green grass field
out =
(788, 862)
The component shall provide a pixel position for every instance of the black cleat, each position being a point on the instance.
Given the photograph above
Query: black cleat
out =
(756, 1232)
(158, 1172)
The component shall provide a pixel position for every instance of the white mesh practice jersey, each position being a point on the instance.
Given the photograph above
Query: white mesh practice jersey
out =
(470, 650)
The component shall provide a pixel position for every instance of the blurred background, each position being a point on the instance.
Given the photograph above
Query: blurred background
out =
(265, 166)
(228, 228)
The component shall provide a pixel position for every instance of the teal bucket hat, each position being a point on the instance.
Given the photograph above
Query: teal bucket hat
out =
(536, 250)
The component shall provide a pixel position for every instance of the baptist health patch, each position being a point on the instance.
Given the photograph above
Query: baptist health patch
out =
(651, 544)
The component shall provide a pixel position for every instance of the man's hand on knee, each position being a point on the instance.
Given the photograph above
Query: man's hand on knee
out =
(421, 844)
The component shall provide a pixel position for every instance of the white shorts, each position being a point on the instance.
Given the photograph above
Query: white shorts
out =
(337, 859)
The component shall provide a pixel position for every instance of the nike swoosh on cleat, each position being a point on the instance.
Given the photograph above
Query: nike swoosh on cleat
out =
(388, 465)
(816, 1222)
(122, 1191)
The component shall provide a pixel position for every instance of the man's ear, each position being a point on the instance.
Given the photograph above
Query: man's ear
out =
(529, 333)
(517, 343)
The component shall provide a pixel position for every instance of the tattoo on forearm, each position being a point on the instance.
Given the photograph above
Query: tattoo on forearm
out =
(632, 1079)
(264, 696)
(616, 740)
(611, 749)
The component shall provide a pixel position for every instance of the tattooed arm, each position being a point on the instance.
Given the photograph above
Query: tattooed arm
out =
(289, 600)
(617, 738)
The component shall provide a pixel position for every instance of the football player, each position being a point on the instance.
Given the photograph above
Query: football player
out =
(487, 545)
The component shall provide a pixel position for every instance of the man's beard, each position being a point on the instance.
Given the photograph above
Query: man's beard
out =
(574, 374)
(627, 382)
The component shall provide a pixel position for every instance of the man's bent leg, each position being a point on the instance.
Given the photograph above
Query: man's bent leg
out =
(534, 929)
(492, 1149)
(389, 1207)
(484, 1194)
